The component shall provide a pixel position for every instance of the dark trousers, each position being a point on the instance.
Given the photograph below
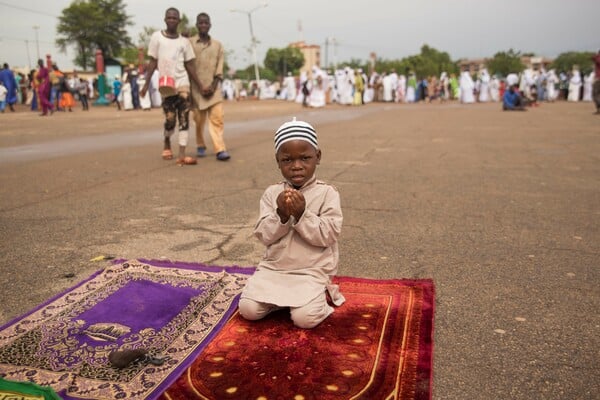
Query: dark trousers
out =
(176, 108)
(84, 101)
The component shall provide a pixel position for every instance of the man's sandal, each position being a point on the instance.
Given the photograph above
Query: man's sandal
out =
(167, 154)
(186, 161)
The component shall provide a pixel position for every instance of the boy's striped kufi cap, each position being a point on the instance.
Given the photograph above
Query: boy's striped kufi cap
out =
(295, 130)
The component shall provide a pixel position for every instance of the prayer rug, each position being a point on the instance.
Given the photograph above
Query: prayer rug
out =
(377, 345)
(174, 309)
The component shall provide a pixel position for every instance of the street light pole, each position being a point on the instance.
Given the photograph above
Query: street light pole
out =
(253, 38)
(37, 42)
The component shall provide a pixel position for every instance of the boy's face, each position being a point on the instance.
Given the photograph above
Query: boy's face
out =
(172, 20)
(297, 160)
(203, 24)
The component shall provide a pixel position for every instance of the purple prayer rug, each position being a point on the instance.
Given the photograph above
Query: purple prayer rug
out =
(168, 308)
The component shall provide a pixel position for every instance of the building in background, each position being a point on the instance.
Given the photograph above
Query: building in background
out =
(311, 53)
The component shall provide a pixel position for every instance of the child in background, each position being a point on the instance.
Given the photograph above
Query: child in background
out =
(300, 222)
(117, 85)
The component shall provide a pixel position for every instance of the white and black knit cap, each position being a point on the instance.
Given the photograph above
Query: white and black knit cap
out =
(295, 130)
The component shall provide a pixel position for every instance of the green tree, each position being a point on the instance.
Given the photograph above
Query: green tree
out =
(566, 61)
(356, 63)
(130, 55)
(93, 24)
(144, 36)
(185, 27)
(505, 62)
(282, 61)
(247, 74)
(429, 62)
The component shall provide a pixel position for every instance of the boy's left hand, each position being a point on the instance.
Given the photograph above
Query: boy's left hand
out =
(295, 203)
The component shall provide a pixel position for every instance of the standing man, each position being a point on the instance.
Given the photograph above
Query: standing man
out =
(173, 55)
(207, 96)
(8, 79)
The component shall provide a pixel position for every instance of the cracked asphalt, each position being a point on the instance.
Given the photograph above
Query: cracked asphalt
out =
(501, 210)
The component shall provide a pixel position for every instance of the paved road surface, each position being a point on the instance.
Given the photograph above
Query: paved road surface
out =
(502, 210)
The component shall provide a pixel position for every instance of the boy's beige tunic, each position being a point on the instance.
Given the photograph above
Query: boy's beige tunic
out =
(301, 256)
(208, 65)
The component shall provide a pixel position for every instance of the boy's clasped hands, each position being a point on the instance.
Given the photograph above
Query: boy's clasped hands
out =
(290, 202)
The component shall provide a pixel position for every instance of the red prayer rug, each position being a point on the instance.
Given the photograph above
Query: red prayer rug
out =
(377, 345)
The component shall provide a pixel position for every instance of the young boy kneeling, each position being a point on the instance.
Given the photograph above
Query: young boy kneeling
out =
(300, 222)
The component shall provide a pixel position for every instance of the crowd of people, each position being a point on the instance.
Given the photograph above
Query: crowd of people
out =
(349, 86)
(44, 89)
(316, 88)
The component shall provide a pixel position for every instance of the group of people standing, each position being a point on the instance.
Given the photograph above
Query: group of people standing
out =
(190, 74)
(349, 86)
(126, 91)
(46, 89)
(538, 85)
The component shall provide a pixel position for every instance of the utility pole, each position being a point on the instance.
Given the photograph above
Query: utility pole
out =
(335, 43)
(253, 38)
(37, 42)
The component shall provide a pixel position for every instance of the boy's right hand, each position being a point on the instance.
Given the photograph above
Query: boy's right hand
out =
(283, 207)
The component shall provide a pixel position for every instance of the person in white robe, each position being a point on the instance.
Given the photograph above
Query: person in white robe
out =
(527, 80)
(346, 86)
(333, 93)
(317, 94)
(145, 103)
(574, 85)
(388, 88)
(401, 89)
(126, 93)
(337, 77)
(484, 85)
(466, 88)
(91, 93)
(588, 83)
(155, 97)
(228, 90)
(289, 83)
(319, 88)
(369, 94)
(267, 90)
(495, 88)
(299, 95)
(540, 82)
(551, 84)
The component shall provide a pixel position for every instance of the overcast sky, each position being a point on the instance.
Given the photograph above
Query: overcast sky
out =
(392, 29)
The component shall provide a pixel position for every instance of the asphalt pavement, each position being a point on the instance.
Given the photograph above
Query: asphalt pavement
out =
(500, 209)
